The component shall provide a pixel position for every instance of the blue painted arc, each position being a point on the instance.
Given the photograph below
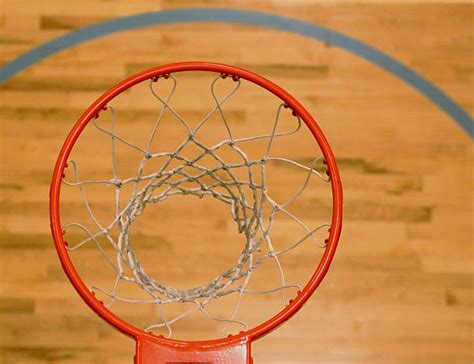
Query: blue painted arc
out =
(218, 15)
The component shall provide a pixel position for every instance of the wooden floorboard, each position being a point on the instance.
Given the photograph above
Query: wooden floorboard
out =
(401, 286)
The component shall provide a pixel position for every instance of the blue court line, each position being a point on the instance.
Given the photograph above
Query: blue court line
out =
(218, 15)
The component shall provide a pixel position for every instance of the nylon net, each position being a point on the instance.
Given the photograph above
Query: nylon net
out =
(239, 184)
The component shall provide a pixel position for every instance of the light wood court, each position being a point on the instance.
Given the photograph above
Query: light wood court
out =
(400, 289)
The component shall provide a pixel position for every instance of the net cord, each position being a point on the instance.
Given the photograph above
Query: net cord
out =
(248, 213)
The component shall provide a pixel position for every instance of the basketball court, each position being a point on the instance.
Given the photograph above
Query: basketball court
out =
(389, 84)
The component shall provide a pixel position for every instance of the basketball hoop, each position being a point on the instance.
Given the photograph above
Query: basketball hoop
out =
(239, 185)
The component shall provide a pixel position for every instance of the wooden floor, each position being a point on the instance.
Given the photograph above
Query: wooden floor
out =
(401, 287)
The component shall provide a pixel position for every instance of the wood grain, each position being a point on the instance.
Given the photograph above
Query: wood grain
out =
(401, 287)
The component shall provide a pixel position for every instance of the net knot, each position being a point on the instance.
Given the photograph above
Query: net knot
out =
(117, 182)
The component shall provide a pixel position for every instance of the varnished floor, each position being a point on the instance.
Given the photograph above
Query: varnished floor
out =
(401, 287)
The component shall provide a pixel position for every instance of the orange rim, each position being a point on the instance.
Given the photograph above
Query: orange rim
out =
(253, 333)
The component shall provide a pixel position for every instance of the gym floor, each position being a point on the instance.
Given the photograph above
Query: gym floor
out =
(400, 289)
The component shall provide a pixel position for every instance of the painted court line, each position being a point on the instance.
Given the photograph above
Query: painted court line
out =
(287, 24)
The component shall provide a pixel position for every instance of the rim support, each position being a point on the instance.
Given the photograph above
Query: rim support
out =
(149, 352)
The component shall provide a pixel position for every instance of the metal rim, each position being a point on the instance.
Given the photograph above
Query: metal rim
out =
(302, 296)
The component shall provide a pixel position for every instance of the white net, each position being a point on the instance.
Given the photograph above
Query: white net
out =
(240, 184)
